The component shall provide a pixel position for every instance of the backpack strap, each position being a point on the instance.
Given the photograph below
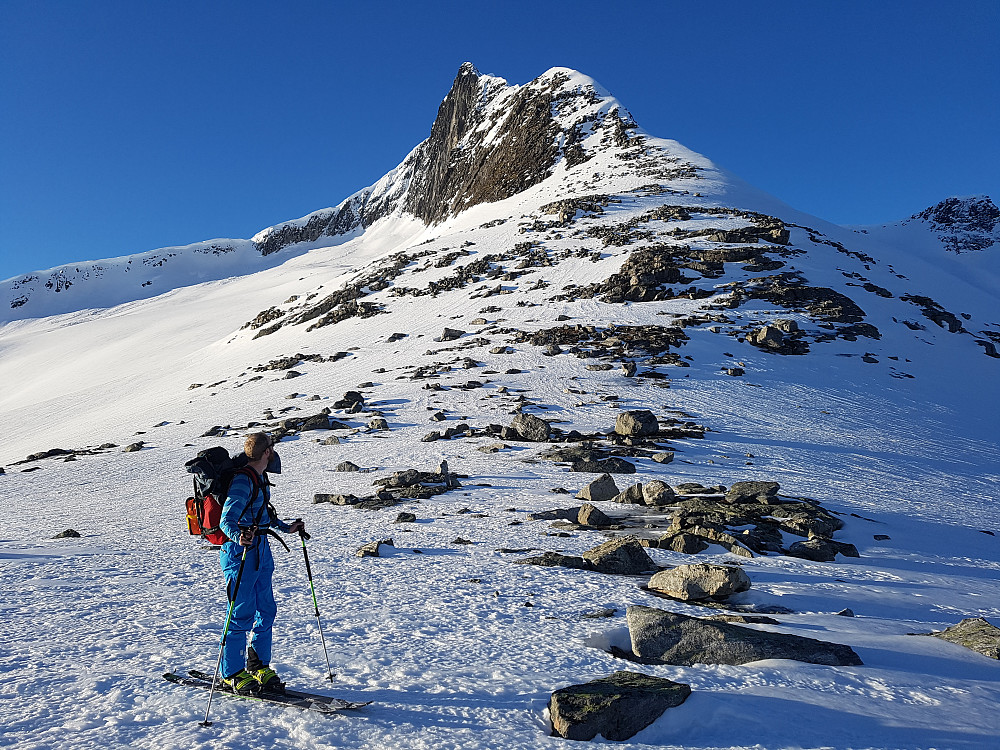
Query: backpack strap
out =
(255, 484)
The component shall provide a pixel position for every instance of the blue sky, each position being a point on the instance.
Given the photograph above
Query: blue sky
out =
(126, 126)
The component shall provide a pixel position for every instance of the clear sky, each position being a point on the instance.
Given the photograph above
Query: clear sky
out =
(129, 125)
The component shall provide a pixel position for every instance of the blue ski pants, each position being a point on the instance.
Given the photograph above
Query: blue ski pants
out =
(253, 608)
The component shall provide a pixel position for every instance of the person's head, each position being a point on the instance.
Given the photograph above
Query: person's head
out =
(257, 445)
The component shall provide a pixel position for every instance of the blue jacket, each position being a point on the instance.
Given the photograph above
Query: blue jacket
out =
(239, 512)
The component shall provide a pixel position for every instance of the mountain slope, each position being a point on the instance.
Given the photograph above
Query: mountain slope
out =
(541, 255)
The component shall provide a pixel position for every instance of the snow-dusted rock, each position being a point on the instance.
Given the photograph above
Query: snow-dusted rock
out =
(639, 422)
(700, 581)
(662, 637)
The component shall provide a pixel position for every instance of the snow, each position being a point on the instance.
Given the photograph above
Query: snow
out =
(440, 635)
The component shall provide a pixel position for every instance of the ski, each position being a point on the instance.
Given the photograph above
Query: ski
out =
(324, 704)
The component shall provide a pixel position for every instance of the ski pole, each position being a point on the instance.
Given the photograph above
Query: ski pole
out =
(225, 633)
(303, 536)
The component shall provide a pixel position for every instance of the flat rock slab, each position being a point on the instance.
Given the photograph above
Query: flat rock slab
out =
(661, 637)
(616, 707)
(974, 633)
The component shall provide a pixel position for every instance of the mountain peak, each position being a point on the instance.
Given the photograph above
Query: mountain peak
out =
(964, 224)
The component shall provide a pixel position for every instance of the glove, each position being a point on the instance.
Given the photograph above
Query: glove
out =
(246, 537)
(298, 526)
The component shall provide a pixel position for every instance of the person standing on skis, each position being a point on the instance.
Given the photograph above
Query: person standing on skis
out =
(247, 520)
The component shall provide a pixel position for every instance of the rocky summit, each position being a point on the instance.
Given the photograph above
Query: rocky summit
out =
(554, 397)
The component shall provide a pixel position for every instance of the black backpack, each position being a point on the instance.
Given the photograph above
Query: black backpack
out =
(213, 471)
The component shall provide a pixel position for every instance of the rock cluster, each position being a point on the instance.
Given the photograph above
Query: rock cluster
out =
(618, 556)
(401, 485)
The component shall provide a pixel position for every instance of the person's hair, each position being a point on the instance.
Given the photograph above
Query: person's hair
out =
(256, 444)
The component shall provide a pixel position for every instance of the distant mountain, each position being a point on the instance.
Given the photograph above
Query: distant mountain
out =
(562, 158)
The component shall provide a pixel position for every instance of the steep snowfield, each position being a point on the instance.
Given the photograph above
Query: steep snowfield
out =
(457, 646)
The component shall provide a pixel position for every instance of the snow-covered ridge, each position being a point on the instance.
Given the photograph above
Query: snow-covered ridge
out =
(489, 142)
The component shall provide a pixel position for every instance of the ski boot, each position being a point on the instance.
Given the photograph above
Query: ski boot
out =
(242, 683)
(266, 677)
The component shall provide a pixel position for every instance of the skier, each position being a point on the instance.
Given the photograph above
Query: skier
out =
(247, 518)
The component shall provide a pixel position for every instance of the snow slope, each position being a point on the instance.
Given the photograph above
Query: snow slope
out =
(456, 645)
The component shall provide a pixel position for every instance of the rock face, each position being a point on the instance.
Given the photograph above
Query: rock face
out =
(964, 224)
(700, 581)
(975, 633)
(616, 707)
(620, 556)
(661, 637)
(448, 179)
(637, 423)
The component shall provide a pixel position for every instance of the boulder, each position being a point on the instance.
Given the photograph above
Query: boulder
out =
(767, 337)
(378, 423)
(68, 534)
(632, 495)
(372, 549)
(450, 334)
(616, 707)
(745, 492)
(723, 539)
(700, 581)
(663, 458)
(531, 428)
(351, 400)
(661, 637)
(620, 556)
(815, 522)
(657, 493)
(689, 544)
(348, 466)
(974, 633)
(405, 517)
(493, 448)
(637, 423)
(592, 516)
(602, 488)
(321, 497)
(555, 559)
(819, 549)
(558, 514)
(613, 465)
(315, 422)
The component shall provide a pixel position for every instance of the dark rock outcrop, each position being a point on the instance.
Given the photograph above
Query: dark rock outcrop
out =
(615, 707)
(974, 633)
